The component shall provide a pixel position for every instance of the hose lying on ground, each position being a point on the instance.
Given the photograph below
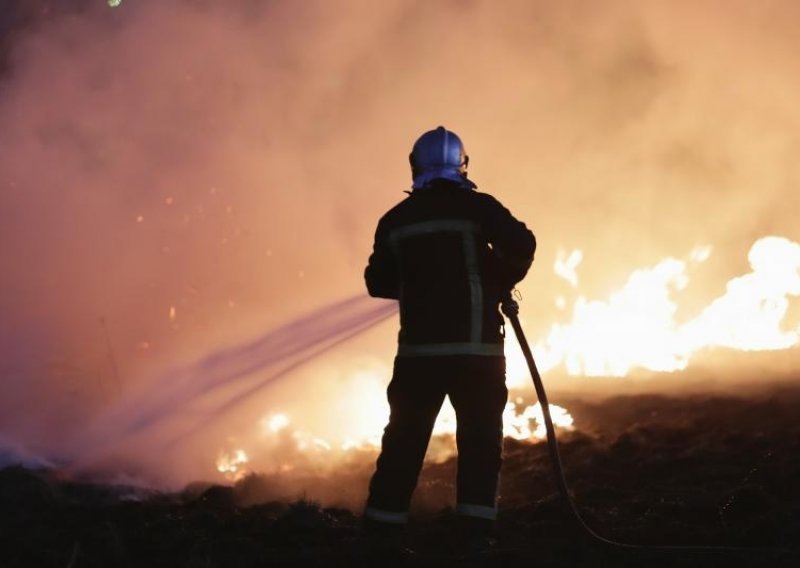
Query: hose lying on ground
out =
(510, 309)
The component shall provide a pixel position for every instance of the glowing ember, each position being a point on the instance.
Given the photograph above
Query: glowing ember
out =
(232, 465)
(276, 423)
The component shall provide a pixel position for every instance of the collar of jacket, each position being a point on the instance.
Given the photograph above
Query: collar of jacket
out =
(446, 184)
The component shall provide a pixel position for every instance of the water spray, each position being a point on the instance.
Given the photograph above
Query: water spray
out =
(229, 376)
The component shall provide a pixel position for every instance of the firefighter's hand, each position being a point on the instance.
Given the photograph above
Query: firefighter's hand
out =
(510, 307)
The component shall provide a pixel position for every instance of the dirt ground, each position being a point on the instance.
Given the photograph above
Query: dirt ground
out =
(690, 469)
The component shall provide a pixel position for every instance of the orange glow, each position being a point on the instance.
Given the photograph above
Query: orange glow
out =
(233, 465)
(518, 425)
(566, 264)
(636, 326)
(275, 423)
(365, 426)
(216, 170)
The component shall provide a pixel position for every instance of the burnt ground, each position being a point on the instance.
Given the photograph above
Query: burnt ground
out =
(646, 469)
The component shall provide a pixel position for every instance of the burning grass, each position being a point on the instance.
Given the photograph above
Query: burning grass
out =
(654, 469)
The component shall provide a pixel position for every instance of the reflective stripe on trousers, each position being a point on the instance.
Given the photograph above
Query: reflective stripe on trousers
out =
(384, 516)
(479, 511)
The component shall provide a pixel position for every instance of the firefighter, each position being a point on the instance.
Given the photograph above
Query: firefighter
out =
(449, 255)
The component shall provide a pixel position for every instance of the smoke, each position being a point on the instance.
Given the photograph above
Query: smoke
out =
(193, 173)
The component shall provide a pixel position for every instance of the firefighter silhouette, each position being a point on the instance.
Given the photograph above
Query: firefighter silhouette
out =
(449, 254)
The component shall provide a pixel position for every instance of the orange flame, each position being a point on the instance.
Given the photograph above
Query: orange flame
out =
(636, 327)
(232, 465)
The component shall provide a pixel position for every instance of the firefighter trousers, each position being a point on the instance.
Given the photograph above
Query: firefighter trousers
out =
(477, 391)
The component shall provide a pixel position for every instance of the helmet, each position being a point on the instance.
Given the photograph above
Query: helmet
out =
(439, 154)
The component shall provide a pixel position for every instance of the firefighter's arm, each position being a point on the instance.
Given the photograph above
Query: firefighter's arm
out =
(513, 244)
(381, 273)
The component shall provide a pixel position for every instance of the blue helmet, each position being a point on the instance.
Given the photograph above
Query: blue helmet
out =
(439, 154)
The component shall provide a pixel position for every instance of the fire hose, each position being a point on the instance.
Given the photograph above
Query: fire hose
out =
(510, 309)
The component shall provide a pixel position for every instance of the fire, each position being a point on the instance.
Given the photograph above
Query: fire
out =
(519, 422)
(749, 316)
(232, 465)
(636, 327)
(276, 423)
(517, 425)
(566, 264)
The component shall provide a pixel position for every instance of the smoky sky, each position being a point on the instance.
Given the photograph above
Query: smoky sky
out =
(177, 176)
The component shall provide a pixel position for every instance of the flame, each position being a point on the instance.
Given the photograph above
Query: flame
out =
(636, 327)
(276, 422)
(519, 422)
(517, 425)
(232, 465)
(750, 314)
(566, 264)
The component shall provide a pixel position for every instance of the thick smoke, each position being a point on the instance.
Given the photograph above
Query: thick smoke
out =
(177, 176)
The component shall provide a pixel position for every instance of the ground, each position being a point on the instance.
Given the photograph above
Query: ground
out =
(697, 469)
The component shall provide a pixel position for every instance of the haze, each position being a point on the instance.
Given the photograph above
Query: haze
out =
(181, 176)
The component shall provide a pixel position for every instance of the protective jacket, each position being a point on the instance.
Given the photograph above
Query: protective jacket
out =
(449, 255)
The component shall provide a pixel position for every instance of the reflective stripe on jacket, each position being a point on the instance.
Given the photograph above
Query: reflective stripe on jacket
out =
(449, 255)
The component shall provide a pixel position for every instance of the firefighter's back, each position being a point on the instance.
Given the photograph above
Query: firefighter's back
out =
(440, 240)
